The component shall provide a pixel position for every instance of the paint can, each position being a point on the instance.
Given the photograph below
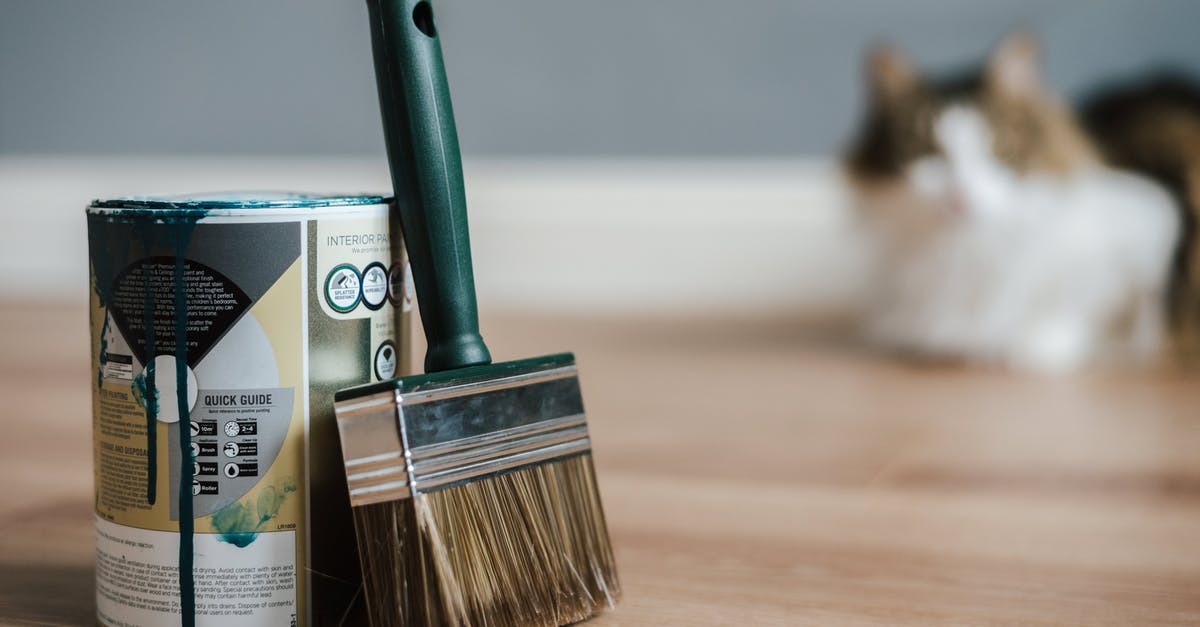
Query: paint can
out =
(221, 327)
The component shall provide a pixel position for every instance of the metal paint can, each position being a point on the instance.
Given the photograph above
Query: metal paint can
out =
(221, 327)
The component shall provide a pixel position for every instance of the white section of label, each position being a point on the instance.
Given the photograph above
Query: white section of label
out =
(137, 578)
(118, 370)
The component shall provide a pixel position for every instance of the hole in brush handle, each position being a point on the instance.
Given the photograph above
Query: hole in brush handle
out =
(423, 18)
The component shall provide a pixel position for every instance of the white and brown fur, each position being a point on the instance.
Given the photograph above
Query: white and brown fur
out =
(1007, 233)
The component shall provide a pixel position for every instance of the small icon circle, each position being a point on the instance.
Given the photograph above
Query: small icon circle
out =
(343, 288)
(232, 470)
(410, 292)
(195, 428)
(195, 468)
(231, 449)
(385, 360)
(195, 449)
(396, 284)
(232, 428)
(195, 488)
(374, 286)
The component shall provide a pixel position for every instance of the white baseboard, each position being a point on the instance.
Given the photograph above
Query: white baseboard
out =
(606, 237)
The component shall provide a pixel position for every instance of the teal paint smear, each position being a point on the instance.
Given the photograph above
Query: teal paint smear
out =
(103, 352)
(146, 394)
(240, 540)
(239, 524)
(158, 206)
(150, 394)
(143, 389)
(103, 261)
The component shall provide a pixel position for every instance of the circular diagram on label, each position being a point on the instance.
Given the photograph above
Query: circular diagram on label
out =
(232, 428)
(343, 288)
(195, 488)
(385, 361)
(374, 286)
(410, 291)
(232, 470)
(242, 359)
(166, 389)
(396, 283)
(231, 449)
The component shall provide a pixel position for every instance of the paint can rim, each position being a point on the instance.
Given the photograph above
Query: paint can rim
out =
(233, 202)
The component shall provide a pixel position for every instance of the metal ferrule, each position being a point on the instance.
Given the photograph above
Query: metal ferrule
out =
(399, 443)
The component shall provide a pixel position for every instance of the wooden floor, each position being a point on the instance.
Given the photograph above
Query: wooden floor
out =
(754, 474)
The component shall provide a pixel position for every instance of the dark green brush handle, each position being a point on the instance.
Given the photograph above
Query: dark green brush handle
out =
(422, 147)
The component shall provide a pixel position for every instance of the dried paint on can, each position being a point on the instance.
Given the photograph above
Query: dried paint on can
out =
(221, 327)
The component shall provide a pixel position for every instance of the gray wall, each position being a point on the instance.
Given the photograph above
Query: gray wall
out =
(602, 77)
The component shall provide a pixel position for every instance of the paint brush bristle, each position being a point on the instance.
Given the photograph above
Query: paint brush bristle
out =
(475, 499)
(524, 548)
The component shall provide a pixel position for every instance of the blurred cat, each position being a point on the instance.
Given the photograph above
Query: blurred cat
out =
(1153, 127)
(1004, 233)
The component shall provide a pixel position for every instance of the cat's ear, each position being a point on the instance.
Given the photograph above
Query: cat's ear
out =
(1015, 66)
(889, 73)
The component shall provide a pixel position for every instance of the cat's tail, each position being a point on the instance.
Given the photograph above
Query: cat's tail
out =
(1153, 127)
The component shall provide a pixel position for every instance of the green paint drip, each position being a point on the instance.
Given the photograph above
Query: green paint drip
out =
(187, 580)
(146, 394)
(152, 396)
(179, 231)
(239, 524)
(144, 385)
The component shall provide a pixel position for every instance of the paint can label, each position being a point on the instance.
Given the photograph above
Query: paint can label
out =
(218, 343)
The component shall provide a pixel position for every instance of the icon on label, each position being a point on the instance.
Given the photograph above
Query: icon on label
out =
(343, 288)
(235, 449)
(232, 428)
(374, 286)
(204, 487)
(385, 360)
(203, 427)
(396, 283)
(195, 449)
(234, 470)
